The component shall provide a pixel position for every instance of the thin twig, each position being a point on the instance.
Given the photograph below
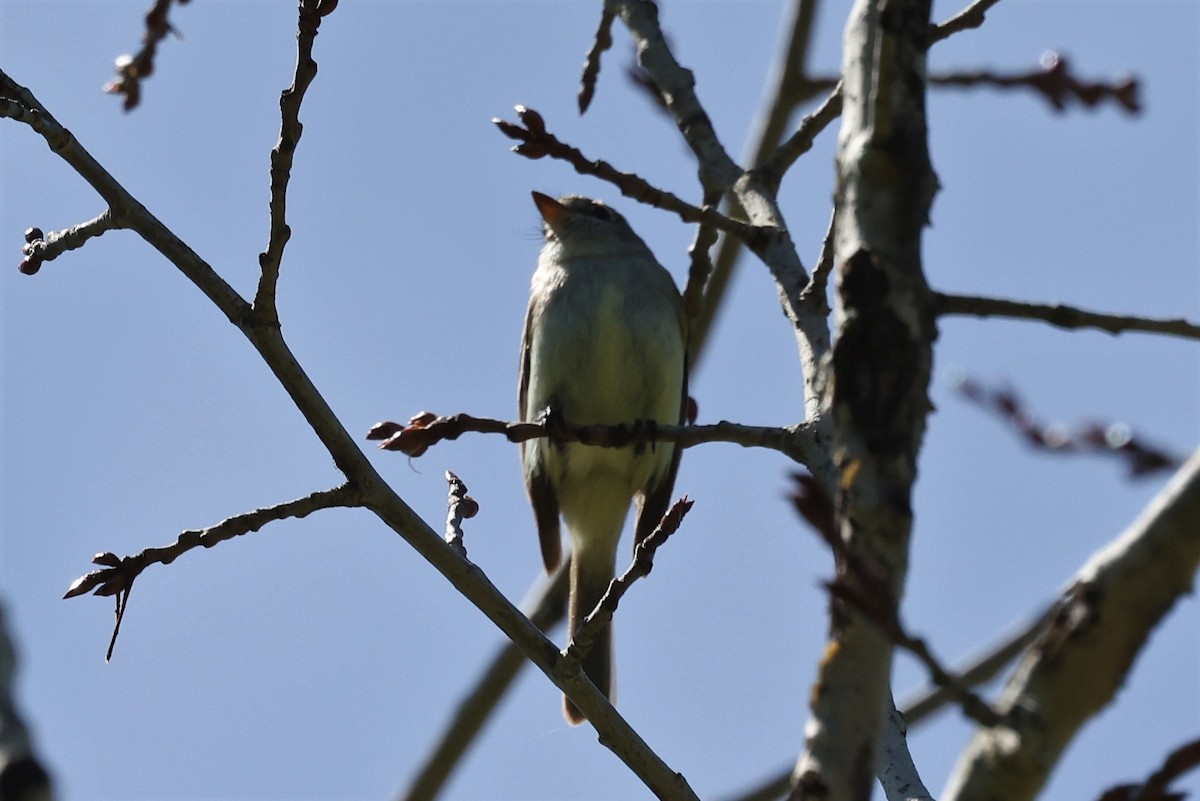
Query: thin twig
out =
(1054, 81)
(132, 69)
(537, 142)
(427, 429)
(40, 248)
(970, 17)
(125, 210)
(1110, 439)
(790, 88)
(591, 65)
(120, 571)
(677, 85)
(643, 562)
(802, 140)
(815, 295)
(1062, 316)
(282, 155)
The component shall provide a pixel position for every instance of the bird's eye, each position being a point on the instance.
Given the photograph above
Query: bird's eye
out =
(602, 212)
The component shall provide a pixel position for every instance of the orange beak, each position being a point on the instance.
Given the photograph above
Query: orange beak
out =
(551, 210)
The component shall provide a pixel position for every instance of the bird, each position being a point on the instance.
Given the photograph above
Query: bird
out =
(604, 343)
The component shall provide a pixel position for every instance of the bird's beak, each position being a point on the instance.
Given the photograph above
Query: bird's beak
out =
(551, 210)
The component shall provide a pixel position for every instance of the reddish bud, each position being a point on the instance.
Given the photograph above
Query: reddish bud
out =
(510, 130)
(422, 419)
(30, 266)
(530, 150)
(533, 121)
(383, 430)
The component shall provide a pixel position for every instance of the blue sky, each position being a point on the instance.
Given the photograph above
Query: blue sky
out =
(317, 658)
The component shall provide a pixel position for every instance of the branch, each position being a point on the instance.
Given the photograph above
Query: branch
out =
(282, 155)
(981, 669)
(894, 765)
(643, 562)
(1114, 439)
(802, 140)
(1103, 620)
(372, 491)
(40, 248)
(537, 142)
(676, 85)
(880, 371)
(120, 571)
(798, 442)
(591, 65)
(1056, 83)
(790, 88)
(125, 211)
(131, 69)
(970, 17)
(1062, 316)
(1053, 80)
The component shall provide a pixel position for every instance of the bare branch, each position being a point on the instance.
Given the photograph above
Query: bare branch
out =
(718, 172)
(1055, 82)
(120, 571)
(790, 88)
(970, 17)
(282, 155)
(881, 365)
(40, 248)
(894, 765)
(537, 142)
(132, 69)
(1114, 439)
(981, 669)
(124, 210)
(1103, 621)
(1062, 316)
(591, 65)
(700, 271)
(802, 140)
(427, 429)
(643, 563)
(814, 296)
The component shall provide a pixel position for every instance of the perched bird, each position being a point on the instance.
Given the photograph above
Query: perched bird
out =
(605, 342)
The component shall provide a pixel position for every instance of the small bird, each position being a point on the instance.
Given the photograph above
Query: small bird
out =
(605, 342)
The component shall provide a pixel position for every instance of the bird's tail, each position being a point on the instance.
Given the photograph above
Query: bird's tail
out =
(590, 577)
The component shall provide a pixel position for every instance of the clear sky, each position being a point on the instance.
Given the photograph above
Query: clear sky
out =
(317, 659)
